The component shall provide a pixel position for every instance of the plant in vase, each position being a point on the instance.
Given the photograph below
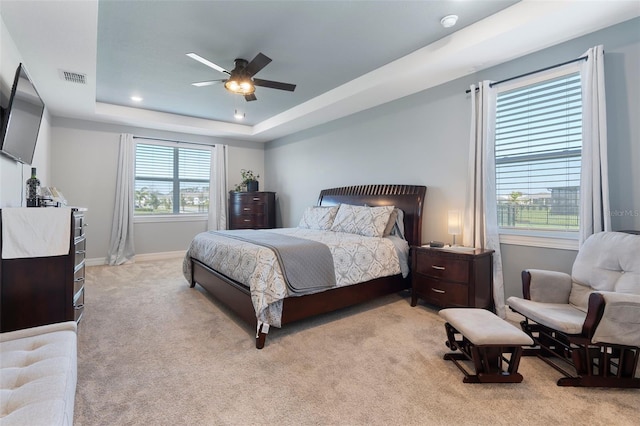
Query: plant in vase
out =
(249, 181)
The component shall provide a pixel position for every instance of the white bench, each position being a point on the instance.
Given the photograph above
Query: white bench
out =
(484, 339)
(38, 371)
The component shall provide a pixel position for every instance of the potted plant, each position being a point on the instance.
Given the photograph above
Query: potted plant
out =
(249, 181)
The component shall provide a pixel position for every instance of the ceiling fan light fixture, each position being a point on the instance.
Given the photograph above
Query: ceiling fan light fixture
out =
(239, 84)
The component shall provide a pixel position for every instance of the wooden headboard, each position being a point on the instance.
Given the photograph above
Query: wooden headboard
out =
(409, 198)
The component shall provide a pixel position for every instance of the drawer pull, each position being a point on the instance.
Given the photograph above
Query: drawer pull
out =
(256, 198)
(80, 251)
(439, 268)
(246, 209)
(79, 279)
(438, 291)
(78, 307)
(247, 220)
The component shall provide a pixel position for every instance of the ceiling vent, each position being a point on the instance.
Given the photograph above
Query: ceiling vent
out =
(73, 77)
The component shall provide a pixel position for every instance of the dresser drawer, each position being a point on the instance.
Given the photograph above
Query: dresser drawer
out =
(443, 267)
(78, 280)
(78, 305)
(78, 225)
(80, 249)
(248, 221)
(442, 293)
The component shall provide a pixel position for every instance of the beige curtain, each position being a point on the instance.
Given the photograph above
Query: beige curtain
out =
(121, 248)
(218, 189)
(480, 224)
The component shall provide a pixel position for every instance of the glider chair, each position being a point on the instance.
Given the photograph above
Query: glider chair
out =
(587, 325)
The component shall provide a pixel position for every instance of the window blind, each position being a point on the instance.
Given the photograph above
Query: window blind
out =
(538, 151)
(171, 179)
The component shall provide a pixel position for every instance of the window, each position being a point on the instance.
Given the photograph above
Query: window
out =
(171, 179)
(538, 153)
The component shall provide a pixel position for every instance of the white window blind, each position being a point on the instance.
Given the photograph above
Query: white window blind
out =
(538, 153)
(171, 179)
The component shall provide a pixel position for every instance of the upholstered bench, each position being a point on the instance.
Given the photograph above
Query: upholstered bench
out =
(484, 339)
(38, 374)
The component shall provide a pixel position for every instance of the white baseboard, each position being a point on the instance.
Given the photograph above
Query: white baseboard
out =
(145, 257)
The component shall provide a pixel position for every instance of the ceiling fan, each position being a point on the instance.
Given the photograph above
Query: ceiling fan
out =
(241, 79)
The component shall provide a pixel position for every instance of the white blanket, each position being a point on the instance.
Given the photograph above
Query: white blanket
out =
(35, 232)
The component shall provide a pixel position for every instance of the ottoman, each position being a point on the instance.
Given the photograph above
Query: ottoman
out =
(484, 339)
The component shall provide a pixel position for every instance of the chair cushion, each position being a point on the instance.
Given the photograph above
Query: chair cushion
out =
(607, 261)
(559, 316)
(482, 327)
(620, 324)
(38, 376)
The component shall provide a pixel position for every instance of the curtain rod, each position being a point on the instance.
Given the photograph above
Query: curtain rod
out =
(495, 83)
(172, 140)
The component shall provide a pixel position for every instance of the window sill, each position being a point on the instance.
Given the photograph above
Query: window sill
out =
(170, 218)
(559, 241)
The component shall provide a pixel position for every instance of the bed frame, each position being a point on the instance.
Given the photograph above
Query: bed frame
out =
(237, 297)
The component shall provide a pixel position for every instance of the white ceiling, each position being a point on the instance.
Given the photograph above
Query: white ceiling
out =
(344, 56)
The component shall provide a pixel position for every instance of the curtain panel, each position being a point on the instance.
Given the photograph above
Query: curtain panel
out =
(218, 189)
(594, 180)
(121, 247)
(480, 223)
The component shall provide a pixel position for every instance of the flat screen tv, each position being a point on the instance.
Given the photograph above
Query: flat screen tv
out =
(21, 119)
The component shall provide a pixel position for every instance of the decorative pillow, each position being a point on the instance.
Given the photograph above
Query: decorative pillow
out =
(392, 222)
(320, 218)
(362, 220)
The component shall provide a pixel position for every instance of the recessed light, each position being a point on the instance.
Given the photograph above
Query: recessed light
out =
(449, 21)
(136, 99)
(238, 115)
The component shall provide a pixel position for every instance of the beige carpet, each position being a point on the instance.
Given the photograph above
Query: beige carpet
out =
(153, 351)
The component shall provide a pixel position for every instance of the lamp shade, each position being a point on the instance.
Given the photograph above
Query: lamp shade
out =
(454, 222)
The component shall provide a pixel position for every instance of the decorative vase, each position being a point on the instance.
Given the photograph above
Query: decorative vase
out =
(33, 189)
(252, 186)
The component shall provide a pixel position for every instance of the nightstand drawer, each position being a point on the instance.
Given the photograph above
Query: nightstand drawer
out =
(443, 267)
(443, 293)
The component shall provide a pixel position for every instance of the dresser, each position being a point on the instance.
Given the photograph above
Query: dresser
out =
(252, 210)
(449, 278)
(43, 290)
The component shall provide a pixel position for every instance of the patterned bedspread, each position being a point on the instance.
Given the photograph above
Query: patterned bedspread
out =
(356, 258)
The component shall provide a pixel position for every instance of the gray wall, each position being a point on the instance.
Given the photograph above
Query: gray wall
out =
(84, 158)
(423, 139)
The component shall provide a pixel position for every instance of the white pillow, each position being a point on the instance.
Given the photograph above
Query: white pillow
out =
(362, 220)
(320, 218)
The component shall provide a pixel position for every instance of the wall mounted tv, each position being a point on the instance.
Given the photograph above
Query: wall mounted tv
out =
(21, 119)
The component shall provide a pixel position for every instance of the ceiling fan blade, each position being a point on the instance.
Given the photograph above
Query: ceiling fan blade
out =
(207, 62)
(207, 83)
(251, 97)
(274, 84)
(259, 62)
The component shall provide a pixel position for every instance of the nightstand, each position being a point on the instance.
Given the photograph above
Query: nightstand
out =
(452, 277)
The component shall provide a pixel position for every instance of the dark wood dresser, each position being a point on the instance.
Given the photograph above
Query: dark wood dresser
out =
(252, 210)
(44, 290)
(452, 278)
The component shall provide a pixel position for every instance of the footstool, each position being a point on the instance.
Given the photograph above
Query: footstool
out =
(484, 339)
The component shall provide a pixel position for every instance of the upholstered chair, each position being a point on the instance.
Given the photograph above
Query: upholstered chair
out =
(587, 324)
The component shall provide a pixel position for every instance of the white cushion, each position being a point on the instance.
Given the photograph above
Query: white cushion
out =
(482, 327)
(362, 220)
(559, 316)
(38, 375)
(320, 218)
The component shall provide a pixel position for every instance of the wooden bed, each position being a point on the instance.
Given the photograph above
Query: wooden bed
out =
(237, 297)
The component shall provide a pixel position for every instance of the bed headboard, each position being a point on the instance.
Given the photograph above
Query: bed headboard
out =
(409, 198)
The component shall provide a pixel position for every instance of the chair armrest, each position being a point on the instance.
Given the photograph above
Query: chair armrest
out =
(546, 286)
(613, 318)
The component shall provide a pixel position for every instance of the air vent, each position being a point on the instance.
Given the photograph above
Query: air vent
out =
(73, 77)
